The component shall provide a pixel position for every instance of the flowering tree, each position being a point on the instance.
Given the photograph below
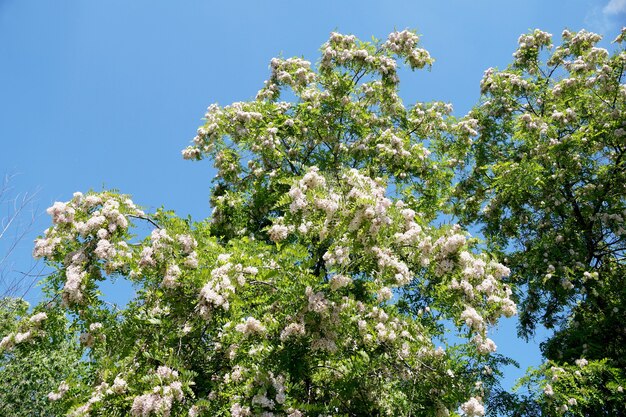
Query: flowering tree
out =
(318, 287)
(547, 180)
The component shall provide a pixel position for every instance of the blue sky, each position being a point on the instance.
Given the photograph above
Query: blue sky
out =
(105, 94)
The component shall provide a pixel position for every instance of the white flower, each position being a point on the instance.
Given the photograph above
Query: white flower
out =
(61, 390)
(23, 337)
(119, 385)
(509, 309)
(452, 244)
(251, 270)
(317, 300)
(484, 346)
(105, 250)
(38, 318)
(146, 257)
(473, 408)
(384, 294)
(278, 232)
(339, 281)
(166, 372)
(312, 179)
(7, 342)
(472, 318)
(582, 362)
(250, 326)
(188, 243)
(191, 261)
(94, 223)
(292, 329)
(72, 290)
(61, 213)
(170, 280)
(223, 257)
(45, 247)
(236, 410)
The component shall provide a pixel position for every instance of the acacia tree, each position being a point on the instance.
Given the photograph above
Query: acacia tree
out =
(547, 181)
(284, 302)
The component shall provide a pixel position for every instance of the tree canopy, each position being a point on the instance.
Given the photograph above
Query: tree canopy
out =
(548, 183)
(325, 282)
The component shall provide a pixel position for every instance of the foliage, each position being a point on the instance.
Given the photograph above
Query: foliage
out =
(30, 371)
(547, 180)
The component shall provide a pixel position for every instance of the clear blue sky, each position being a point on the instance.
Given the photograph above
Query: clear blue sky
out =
(100, 94)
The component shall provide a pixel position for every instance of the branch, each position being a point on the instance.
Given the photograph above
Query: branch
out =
(149, 220)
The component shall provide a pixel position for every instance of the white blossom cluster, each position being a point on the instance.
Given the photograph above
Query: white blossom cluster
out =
(95, 333)
(161, 398)
(339, 281)
(96, 220)
(202, 141)
(223, 283)
(161, 248)
(96, 226)
(393, 146)
(344, 51)
(404, 43)
(473, 408)
(387, 261)
(279, 232)
(364, 203)
(581, 39)
(27, 330)
(267, 395)
(473, 319)
(530, 44)
(250, 326)
(484, 345)
(60, 392)
(172, 273)
(293, 72)
(363, 211)
(98, 394)
(292, 330)
(468, 127)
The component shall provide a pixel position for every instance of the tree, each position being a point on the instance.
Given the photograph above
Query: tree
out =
(318, 286)
(28, 372)
(547, 182)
